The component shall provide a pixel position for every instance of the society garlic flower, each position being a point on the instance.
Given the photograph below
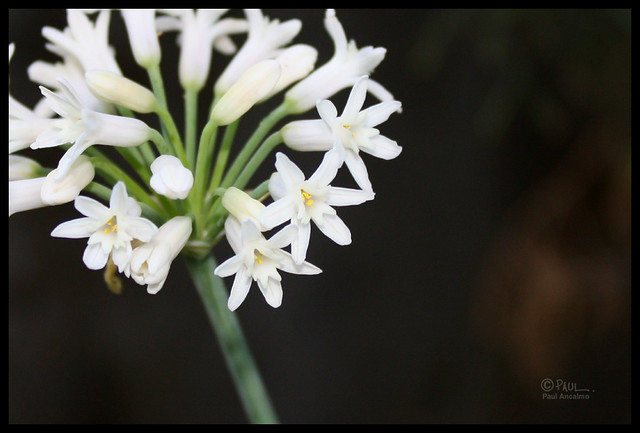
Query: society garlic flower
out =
(201, 30)
(110, 230)
(264, 38)
(256, 258)
(301, 201)
(84, 127)
(343, 69)
(170, 178)
(150, 262)
(143, 36)
(353, 131)
(116, 89)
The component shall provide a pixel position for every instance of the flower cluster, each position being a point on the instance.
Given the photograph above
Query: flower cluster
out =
(181, 191)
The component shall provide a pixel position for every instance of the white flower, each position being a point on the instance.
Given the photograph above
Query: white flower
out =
(201, 31)
(253, 86)
(143, 36)
(242, 206)
(264, 38)
(120, 90)
(170, 178)
(150, 262)
(21, 167)
(258, 259)
(24, 195)
(87, 42)
(58, 190)
(24, 125)
(297, 61)
(110, 229)
(341, 71)
(37, 192)
(301, 201)
(354, 131)
(84, 127)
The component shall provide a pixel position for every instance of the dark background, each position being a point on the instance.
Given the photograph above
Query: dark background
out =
(497, 251)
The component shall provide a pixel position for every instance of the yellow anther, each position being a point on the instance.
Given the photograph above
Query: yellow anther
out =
(353, 134)
(307, 198)
(257, 255)
(111, 225)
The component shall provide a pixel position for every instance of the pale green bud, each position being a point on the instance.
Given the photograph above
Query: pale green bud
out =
(116, 89)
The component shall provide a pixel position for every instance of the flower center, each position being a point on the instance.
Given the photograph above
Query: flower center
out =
(111, 226)
(307, 198)
(353, 134)
(258, 256)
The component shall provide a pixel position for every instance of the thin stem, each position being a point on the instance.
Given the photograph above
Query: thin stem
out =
(203, 165)
(263, 129)
(223, 156)
(256, 160)
(191, 123)
(243, 369)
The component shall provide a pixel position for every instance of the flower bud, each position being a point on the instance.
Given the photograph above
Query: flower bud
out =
(170, 178)
(116, 89)
(253, 86)
(57, 190)
(21, 167)
(24, 194)
(242, 206)
(143, 36)
(297, 62)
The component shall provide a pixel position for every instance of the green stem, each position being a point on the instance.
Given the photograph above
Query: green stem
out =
(191, 123)
(223, 156)
(203, 166)
(256, 160)
(243, 369)
(263, 129)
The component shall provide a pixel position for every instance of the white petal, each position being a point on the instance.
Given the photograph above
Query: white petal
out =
(339, 196)
(229, 267)
(90, 207)
(291, 174)
(233, 232)
(239, 290)
(277, 213)
(75, 229)
(328, 168)
(358, 170)
(283, 237)
(304, 268)
(327, 111)
(300, 245)
(94, 257)
(379, 113)
(382, 147)
(335, 229)
(152, 289)
(272, 292)
(356, 98)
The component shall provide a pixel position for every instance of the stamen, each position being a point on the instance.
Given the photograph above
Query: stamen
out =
(307, 198)
(257, 255)
(112, 225)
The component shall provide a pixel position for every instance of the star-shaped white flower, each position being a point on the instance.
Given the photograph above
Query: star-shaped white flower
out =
(301, 201)
(84, 127)
(110, 229)
(347, 64)
(354, 131)
(259, 259)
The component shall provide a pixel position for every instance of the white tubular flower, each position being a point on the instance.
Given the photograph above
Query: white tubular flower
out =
(87, 42)
(242, 206)
(21, 167)
(170, 178)
(143, 36)
(297, 61)
(259, 259)
(84, 127)
(56, 190)
(353, 131)
(264, 38)
(110, 229)
(116, 89)
(301, 201)
(201, 31)
(150, 262)
(24, 125)
(341, 71)
(24, 195)
(252, 87)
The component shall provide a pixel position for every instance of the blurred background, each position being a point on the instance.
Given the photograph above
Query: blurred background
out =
(496, 254)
